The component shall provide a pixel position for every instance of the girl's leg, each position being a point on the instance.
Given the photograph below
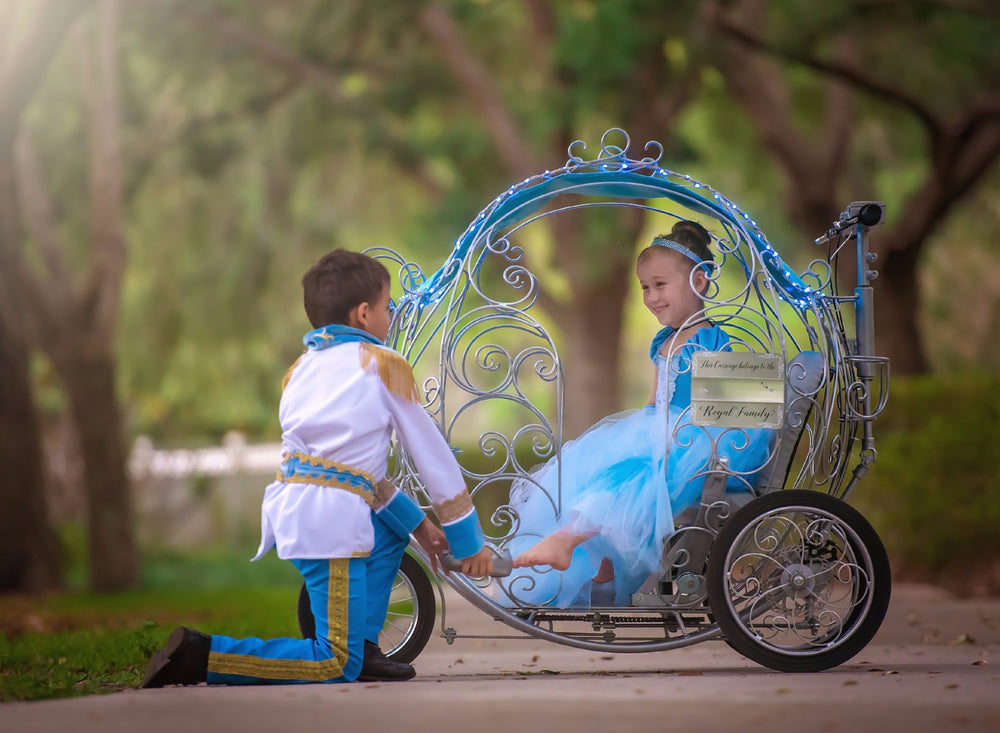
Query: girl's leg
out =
(556, 550)
(605, 573)
(337, 590)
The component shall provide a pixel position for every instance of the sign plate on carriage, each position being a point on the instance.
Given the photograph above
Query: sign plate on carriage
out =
(738, 390)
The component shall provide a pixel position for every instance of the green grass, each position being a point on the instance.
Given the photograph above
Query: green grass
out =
(934, 493)
(77, 643)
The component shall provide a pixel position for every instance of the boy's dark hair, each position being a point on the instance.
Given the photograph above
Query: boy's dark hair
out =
(338, 283)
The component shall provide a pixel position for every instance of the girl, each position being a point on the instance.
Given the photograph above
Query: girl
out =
(625, 478)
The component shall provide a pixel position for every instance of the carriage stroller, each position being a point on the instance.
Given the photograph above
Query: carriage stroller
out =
(775, 562)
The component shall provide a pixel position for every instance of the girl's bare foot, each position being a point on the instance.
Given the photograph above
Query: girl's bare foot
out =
(555, 550)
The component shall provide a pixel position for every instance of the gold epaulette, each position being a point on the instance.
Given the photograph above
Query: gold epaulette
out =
(394, 371)
(288, 374)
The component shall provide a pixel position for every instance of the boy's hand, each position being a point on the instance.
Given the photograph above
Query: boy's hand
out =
(479, 565)
(432, 540)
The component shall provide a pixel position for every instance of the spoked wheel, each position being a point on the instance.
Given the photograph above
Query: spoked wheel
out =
(798, 581)
(410, 620)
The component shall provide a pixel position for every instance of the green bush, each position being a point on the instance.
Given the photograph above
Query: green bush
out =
(934, 493)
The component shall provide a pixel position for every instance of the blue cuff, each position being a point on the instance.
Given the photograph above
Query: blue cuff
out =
(465, 537)
(402, 514)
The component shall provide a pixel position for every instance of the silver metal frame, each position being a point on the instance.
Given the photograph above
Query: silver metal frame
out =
(476, 316)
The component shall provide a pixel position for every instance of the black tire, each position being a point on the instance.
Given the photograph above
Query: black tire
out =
(410, 620)
(766, 579)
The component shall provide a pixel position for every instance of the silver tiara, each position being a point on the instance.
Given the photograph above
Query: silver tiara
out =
(676, 247)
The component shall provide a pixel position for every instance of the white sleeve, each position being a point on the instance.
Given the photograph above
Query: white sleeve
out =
(441, 475)
(419, 434)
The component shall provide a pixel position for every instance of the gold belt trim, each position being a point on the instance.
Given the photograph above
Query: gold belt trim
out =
(331, 465)
(330, 483)
(368, 494)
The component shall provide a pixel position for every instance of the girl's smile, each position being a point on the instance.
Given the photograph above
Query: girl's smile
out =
(667, 291)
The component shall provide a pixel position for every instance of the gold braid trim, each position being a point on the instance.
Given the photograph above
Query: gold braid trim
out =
(306, 670)
(288, 374)
(384, 491)
(301, 476)
(455, 508)
(330, 483)
(332, 465)
(394, 371)
(336, 611)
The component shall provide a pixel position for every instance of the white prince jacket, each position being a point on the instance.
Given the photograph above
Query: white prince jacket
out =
(340, 405)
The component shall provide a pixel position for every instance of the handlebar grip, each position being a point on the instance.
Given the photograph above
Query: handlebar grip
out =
(503, 563)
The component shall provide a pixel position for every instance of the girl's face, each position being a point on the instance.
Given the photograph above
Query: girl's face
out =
(666, 280)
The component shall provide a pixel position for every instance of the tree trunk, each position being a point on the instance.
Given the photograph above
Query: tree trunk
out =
(29, 549)
(897, 306)
(89, 379)
(592, 362)
(591, 320)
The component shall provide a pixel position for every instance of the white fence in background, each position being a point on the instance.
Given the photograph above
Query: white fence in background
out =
(186, 498)
(234, 456)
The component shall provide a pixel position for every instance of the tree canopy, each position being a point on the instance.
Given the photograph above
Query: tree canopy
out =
(171, 173)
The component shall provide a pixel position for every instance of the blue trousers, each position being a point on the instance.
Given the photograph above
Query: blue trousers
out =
(349, 598)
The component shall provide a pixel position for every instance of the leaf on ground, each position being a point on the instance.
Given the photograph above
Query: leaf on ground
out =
(848, 683)
(963, 639)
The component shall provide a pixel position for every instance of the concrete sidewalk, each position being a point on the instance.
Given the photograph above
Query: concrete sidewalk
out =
(930, 668)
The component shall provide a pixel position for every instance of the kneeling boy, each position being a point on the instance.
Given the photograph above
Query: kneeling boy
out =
(326, 512)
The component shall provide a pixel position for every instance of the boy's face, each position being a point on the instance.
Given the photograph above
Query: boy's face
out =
(375, 319)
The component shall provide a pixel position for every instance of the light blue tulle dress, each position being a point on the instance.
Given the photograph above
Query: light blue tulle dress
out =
(626, 478)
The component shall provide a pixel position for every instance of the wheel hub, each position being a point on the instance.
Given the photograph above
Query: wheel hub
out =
(797, 579)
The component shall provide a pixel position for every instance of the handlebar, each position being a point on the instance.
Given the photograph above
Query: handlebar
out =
(865, 213)
(503, 564)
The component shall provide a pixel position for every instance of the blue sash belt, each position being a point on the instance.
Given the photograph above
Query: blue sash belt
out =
(301, 468)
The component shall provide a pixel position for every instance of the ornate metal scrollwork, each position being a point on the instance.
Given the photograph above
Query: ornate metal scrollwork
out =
(472, 331)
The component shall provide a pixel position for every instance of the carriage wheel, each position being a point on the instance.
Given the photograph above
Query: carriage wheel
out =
(409, 621)
(798, 581)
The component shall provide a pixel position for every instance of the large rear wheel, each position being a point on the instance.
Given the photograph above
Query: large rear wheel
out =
(798, 581)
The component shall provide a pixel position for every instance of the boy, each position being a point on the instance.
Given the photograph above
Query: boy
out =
(343, 530)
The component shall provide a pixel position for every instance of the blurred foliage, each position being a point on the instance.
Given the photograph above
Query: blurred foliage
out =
(934, 494)
(259, 135)
(251, 152)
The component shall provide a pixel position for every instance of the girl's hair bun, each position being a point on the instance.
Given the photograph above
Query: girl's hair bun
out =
(693, 236)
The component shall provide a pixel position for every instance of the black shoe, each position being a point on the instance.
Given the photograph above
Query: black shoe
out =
(183, 661)
(377, 667)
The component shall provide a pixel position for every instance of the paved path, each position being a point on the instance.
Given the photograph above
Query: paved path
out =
(934, 666)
